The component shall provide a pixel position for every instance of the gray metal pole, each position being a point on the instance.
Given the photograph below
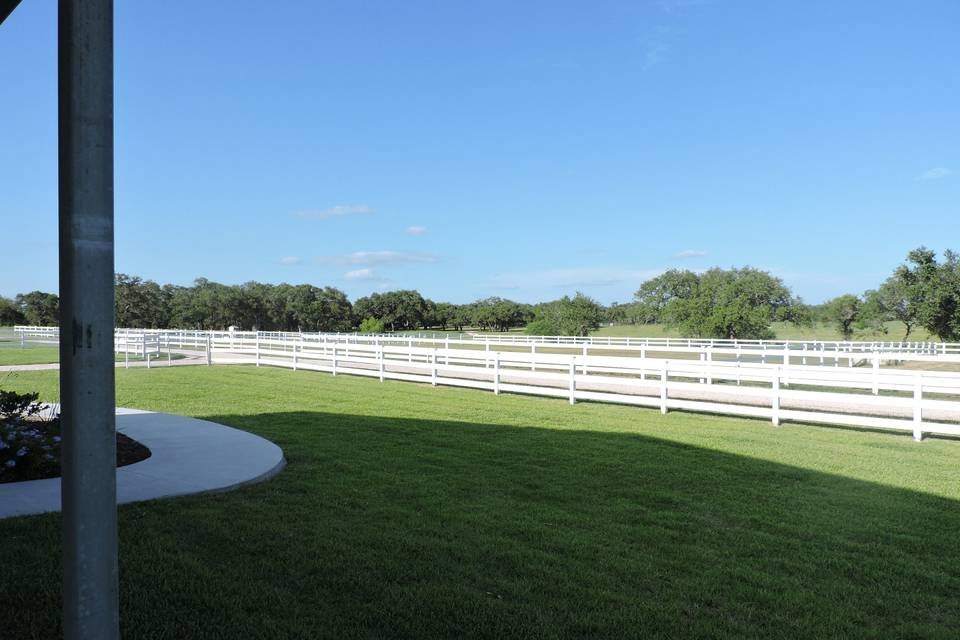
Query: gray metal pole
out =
(90, 581)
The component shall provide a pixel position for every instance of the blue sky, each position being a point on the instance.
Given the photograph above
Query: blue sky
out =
(520, 149)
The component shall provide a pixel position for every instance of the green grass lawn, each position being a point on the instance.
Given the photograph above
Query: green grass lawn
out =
(783, 331)
(47, 355)
(413, 512)
(30, 355)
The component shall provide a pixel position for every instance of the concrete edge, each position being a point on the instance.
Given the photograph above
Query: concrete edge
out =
(167, 472)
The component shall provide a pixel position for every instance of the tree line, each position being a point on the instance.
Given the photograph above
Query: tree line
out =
(718, 303)
(283, 307)
(743, 303)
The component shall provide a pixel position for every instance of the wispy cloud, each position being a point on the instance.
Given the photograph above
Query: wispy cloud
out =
(378, 257)
(416, 230)
(690, 253)
(367, 278)
(571, 278)
(935, 173)
(290, 260)
(338, 211)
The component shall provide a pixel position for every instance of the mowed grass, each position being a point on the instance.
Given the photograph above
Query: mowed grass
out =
(413, 512)
(49, 355)
(14, 355)
(894, 332)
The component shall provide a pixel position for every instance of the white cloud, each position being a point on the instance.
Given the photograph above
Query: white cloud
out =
(416, 230)
(935, 173)
(690, 253)
(379, 257)
(338, 211)
(289, 260)
(360, 274)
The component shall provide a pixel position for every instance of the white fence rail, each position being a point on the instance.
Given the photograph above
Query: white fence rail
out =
(777, 382)
(917, 401)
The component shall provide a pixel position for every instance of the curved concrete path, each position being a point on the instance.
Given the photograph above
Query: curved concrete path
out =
(188, 456)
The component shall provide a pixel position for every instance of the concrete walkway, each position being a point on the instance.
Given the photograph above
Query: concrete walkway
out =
(188, 456)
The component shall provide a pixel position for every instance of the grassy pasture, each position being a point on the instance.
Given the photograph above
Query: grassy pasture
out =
(13, 355)
(413, 512)
(48, 355)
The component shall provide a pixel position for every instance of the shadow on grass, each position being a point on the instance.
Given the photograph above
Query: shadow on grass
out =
(388, 527)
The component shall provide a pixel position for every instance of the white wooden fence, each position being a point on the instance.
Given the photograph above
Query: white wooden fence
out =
(917, 401)
(775, 382)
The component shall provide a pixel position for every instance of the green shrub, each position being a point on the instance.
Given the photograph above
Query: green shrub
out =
(371, 325)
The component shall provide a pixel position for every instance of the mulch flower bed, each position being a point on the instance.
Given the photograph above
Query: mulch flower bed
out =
(30, 440)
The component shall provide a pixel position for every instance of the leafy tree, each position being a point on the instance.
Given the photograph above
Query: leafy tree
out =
(39, 308)
(932, 291)
(9, 313)
(461, 316)
(441, 314)
(728, 303)
(499, 314)
(139, 303)
(843, 311)
(405, 309)
(655, 294)
(575, 316)
(891, 301)
(617, 313)
(314, 309)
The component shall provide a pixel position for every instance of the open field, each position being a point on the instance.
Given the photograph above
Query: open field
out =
(410, 511)
(783, 331)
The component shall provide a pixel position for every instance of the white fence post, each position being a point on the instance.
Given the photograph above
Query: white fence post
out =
(446, 350)
(496, 372)
(209, 350)
(573, 380)
(643, 364)
(294, 355)
(584, 367)
(663, 387)
(709, 365)
(918, 408)
(533, 356)
(334, 358)
(257, 347)
(876, 372)
(380, 361)
(486, 357)
(433, 372)
(786, 364)
(775, 392)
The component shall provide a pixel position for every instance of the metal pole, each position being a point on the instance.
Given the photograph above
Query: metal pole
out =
(89, 495)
